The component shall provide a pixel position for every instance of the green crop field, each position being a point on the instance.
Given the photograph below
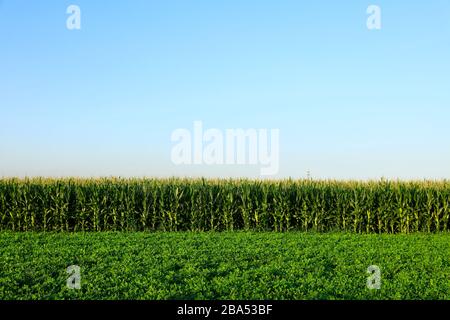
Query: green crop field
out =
(224, 239)
(228, 265)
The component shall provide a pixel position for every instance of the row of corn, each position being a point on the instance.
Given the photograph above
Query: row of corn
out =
(113, 204)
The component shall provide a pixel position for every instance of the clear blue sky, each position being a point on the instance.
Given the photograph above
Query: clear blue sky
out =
(350, 103)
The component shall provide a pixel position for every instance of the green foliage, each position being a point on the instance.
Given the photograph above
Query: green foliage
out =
(223, 205)
(228, 265)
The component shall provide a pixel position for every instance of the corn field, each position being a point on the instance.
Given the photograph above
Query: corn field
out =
(113, 204)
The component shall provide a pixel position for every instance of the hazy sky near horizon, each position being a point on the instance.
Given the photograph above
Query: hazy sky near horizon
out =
(350, 103)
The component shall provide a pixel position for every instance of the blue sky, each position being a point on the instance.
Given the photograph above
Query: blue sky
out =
(350, 103)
